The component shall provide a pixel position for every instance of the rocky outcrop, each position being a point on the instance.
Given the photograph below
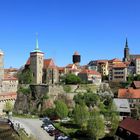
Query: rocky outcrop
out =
(32, 100)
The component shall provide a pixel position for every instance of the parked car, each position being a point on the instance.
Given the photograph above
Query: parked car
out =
(62, 138)
(49, 127)
(45, 118)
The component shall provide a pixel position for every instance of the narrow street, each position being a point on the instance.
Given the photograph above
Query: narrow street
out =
(33, 126)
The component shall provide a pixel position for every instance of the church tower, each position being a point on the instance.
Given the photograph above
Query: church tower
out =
(1, 65)
(126, 52)
(36, 63)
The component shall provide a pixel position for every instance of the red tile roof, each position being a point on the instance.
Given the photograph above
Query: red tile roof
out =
(9, 77)
(47, 63)
(131, 125)
(102, 61)
(86, 71)
(76, 53)
(28, 61)
(7, 96)
(119, 65)
(129, 93)
(115, 60)
(137, 84)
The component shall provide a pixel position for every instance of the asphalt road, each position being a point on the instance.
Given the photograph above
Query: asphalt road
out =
(34, 127)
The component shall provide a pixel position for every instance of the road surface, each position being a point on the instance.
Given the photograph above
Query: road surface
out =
(33, 126)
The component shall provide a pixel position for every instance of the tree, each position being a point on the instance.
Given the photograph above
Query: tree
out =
(81, 115)
(96, 126)
(25, 76)
(61, 109)
(112, 117)
(91, 99)
(8, 107)
(79, 98)
(72, 79)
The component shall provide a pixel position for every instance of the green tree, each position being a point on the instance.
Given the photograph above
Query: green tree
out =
(67, 88)
(91, 99)
(96, 126)
(61, 109)
(72, 79)
(79, 98)
(81, 115)
(25, 76)
(112, 117)
(8, 107)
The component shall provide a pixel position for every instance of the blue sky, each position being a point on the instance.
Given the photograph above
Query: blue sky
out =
(95, 28)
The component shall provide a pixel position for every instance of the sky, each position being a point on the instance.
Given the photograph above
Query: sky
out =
(97, 29)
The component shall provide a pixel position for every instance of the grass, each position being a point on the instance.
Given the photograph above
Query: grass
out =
(67, 128)
(70, 129)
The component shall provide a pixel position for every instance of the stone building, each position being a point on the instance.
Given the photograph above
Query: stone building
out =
(36, 64)
(8, 84)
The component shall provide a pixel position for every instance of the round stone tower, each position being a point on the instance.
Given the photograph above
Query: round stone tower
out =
(76, 58)
(1, 65)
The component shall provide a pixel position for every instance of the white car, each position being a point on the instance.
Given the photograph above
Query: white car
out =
(49, 127)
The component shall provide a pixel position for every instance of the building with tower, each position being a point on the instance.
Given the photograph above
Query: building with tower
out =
(36, 64)
(127, 56)
(75, 67)
(8, 85)
(132, 60)
(44, 70)
(126, 52)
(76, 58)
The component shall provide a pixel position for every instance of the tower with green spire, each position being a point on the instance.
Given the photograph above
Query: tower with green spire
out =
(126, 52)
(36, 63)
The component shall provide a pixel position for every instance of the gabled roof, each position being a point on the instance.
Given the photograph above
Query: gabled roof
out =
(28, 61)
(136, 84)
(49, 63)
(122, 105)
(129, 93)
(86, 71)
(115, 60)
(131, 125)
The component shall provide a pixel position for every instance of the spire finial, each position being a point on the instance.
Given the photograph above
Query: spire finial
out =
(37, 46)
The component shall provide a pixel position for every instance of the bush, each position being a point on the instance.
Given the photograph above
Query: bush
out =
(67, 88)
(72, 79)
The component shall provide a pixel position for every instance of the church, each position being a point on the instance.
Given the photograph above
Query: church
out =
(133, 60)
(44, 70)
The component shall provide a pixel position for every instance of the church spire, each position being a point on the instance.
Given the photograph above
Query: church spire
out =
(126, 44)
(36, 46)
